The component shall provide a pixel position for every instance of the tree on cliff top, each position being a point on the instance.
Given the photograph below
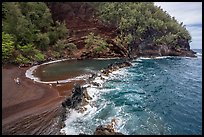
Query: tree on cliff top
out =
(143, 21)
(30, 23)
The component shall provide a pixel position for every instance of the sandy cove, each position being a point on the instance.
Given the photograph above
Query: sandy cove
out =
(27, 106)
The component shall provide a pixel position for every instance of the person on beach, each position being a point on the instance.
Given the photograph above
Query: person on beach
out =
(50, 85)
(17, 80)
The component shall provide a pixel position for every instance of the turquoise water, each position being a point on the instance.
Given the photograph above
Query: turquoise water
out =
(154, 96)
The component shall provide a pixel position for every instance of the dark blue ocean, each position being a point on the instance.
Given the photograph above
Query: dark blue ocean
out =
(153, 97)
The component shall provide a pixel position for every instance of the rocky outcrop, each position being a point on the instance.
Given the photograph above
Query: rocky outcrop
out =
(78, 98)
(145, 49)
(115, 66)
(102, 130)
(81, 20)
(77, 101)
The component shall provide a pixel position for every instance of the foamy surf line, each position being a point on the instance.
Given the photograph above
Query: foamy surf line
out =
(29, 74)
(60, 60)
(199, 54)
(106, 58)
(94, 92)
(160, 57)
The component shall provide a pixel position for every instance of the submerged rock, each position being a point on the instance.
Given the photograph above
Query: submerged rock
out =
(108, 129)
(115, 66)
(101, 130)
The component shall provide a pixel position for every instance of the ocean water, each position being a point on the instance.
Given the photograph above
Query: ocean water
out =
(161, 96)
(64, 70)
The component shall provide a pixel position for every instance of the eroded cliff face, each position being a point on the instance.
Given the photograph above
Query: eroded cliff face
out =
(81, 20)
(151, 50)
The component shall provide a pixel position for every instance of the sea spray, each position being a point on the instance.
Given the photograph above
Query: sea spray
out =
(91, 109)
(125, 103)
(166, 99)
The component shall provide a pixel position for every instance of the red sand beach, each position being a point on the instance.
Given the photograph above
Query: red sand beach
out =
(27, 106)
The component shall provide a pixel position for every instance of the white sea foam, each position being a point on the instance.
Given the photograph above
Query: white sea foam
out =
(94, 92)
(86, 85)
(29, 74)
(160, 57)
(60, 60)
(120, 73)
(106, 58)
(91, 110)
(72, 116)
(144, 58)
(199, 55)
(135, 63)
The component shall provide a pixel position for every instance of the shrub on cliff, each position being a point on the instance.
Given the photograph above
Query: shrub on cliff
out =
(30, 23)
(143, 21)
(96, 43)
(39, 56)
(63, 44)
(7, 47)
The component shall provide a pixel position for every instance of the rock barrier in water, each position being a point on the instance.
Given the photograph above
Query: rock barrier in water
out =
(114, 67)
(102, 130)
(80, 97)
(108, 129)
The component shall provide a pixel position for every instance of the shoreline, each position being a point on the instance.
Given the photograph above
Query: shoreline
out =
(94, 82)
(99, 79)
(30, 98)
(31, 69)
(20, 103)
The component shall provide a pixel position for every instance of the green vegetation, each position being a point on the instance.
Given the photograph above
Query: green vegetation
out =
(142, 21)
(61, 45)
(30, 34)
(7, 47)
(28, 31)
(96, 43)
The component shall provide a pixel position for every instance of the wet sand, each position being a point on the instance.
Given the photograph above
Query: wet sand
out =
(30, 104)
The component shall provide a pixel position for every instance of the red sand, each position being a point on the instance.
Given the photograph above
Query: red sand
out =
(27, 99)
